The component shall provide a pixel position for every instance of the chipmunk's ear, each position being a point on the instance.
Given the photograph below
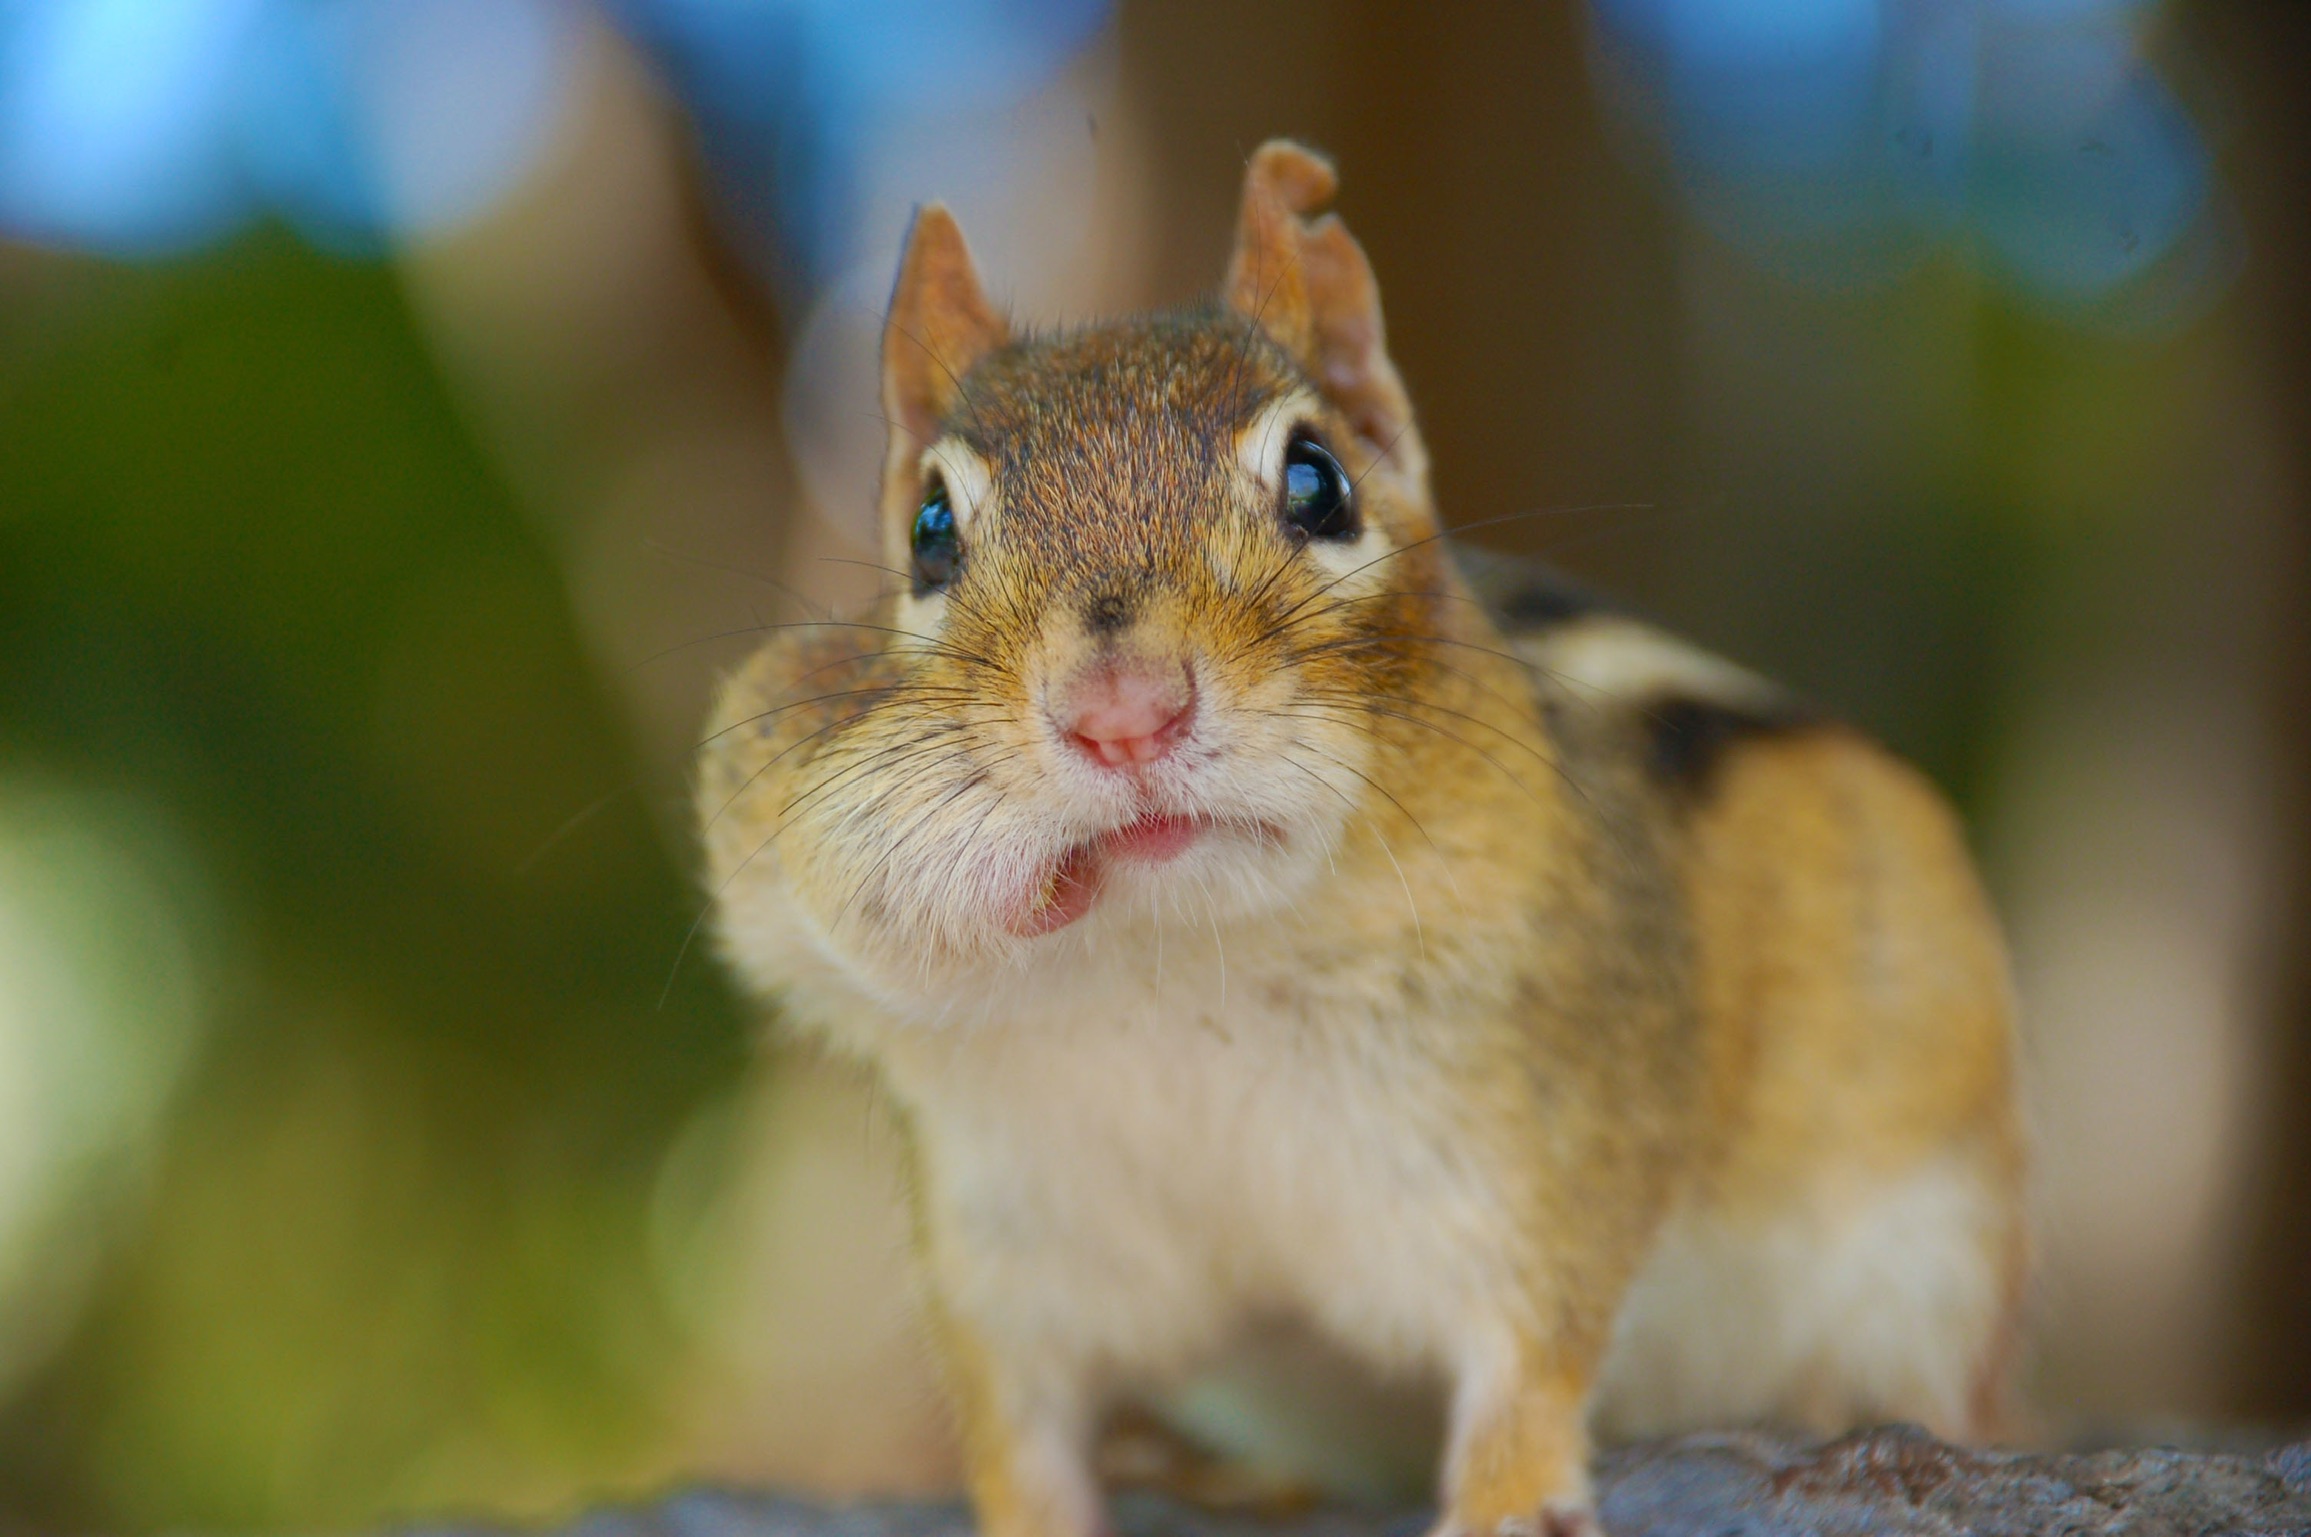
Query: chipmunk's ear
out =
(1308, 284)
(940, 324)
(1267, 281)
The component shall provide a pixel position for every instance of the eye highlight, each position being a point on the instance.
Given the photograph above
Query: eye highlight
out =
(937, 546)
(1318, 499)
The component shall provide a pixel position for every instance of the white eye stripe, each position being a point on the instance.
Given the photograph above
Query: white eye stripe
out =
(970, 484)
(1354, 562)
(1261, 447)
(1261, 450)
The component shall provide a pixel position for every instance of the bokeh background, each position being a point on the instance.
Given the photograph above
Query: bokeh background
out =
(408, 406)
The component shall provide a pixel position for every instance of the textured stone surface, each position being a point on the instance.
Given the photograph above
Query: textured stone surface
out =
(1905, 1481)
(1883, 1481)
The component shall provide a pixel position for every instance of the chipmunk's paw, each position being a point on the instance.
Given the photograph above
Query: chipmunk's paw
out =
(1557, 1521)
(1570, 1519)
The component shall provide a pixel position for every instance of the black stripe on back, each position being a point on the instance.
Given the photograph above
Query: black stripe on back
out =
(1687, 739)
(1525, 595)
(1546, 600)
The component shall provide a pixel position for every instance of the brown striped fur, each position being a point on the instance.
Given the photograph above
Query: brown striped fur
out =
(1560, 1012)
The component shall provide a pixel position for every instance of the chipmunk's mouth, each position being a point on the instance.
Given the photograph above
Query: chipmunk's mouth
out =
(1072, 887)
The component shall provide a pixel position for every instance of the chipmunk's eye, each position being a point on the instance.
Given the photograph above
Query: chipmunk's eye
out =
(938, 548)
(1317, 495)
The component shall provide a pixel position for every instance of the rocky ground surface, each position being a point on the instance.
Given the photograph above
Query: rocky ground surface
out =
(1882, 1481)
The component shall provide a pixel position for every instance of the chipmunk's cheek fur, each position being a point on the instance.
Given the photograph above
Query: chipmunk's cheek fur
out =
(967, 902)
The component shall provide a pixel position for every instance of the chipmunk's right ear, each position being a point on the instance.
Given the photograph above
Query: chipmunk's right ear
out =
(940, 325)
(1306, 282)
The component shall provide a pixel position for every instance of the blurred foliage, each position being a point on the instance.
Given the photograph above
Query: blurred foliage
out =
(416, 1234)
(393, 1254)
(392, 1251)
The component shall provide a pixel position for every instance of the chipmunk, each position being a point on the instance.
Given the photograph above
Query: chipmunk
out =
(1245, 922)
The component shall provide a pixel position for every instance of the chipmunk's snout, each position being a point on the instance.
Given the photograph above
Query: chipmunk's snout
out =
(1123, 714)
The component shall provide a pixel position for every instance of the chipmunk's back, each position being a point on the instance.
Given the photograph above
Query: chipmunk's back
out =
(1853, 989)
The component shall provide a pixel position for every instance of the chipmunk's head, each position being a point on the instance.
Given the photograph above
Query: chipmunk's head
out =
(1162, 580)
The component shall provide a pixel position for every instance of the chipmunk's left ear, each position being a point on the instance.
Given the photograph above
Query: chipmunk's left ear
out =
(1307, 283)
(940, 325)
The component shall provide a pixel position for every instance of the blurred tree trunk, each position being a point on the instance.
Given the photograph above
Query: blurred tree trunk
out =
(2266, 47)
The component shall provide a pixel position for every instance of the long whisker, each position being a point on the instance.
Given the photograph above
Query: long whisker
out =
(931, 645)
(1371, 707)
(894, 756)
(692, 644)
(690, 934)
(1571, 781)
(870, 807)
(1374, 785)
(1448, 533)
(1598, 694)
(954, 595)
(594, 808)
(1381, 457)
(901, 838)
(831, 728)
(575, 821)
(962, 845)
(1441, 665)
(1412, 905)
(706, 563)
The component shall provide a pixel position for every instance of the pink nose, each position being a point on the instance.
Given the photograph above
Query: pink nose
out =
(1124, 716)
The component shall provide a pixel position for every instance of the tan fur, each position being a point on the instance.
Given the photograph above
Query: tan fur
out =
(1578, 1023)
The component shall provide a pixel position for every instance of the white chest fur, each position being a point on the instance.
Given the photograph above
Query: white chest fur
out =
(1125, 1168)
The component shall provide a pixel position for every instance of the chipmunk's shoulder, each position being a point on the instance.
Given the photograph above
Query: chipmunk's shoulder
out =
(1605, 673)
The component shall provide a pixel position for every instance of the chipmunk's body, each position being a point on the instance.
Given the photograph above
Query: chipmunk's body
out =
(1246, 926)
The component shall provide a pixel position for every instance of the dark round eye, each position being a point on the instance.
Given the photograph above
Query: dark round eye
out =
(938, 548)
(1317, 498)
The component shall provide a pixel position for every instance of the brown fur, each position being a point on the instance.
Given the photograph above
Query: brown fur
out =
(1536, 982)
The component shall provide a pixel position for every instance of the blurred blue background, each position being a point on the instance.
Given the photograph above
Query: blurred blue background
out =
(407, 407)
(1848, 136)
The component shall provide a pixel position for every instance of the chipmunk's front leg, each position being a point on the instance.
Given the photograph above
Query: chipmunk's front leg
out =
(1026, 1440)
(1517, 1464)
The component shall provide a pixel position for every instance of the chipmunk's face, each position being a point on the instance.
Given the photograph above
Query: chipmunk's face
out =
(1159, 584)
(1162, 580)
